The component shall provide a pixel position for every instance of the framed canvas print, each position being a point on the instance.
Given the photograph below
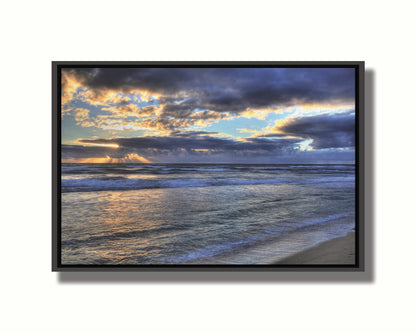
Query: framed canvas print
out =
(208, 166)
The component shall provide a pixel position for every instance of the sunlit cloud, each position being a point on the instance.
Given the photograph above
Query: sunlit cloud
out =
(70, 86)
(129, 158)
(133, 110)
(111, 145)
(143, 95)
(251, 131)
(303, 110)
(259, 113)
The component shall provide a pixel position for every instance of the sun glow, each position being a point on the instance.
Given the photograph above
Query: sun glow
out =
(129, 158)
(111, 145)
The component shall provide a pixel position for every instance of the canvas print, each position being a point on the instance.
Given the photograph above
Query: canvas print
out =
(204, 165)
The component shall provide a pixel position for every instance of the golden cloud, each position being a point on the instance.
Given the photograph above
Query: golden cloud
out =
(129, 158)
(70, 86)
(258, 113)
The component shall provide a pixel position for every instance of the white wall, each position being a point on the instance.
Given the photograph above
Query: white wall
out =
(33, 33)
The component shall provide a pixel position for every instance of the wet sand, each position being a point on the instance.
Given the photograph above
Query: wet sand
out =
(339, 251)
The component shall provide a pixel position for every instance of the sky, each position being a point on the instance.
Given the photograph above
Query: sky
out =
(208, 115)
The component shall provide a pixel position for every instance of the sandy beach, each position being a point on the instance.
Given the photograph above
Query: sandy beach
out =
(335, 251)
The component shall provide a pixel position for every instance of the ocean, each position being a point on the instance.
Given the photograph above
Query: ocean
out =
(146, 214)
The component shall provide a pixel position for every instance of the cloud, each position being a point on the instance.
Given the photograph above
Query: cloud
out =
(326, 130)
(123, 111)
(202, 142)
(208, 150)
(82, 117)
(129, 158)
(225, 86)
(208, 94)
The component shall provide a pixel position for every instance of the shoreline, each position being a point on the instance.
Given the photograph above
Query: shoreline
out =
(339, 251)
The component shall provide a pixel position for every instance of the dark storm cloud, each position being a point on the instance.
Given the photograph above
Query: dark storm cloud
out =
(226, 89)
(189, 142)
(153, 79)
(187, 147)
(327, 130)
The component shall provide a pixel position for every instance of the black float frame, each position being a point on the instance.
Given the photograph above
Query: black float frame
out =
(359, 66)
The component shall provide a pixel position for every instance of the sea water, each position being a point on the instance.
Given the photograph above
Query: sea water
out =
(144, 214)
